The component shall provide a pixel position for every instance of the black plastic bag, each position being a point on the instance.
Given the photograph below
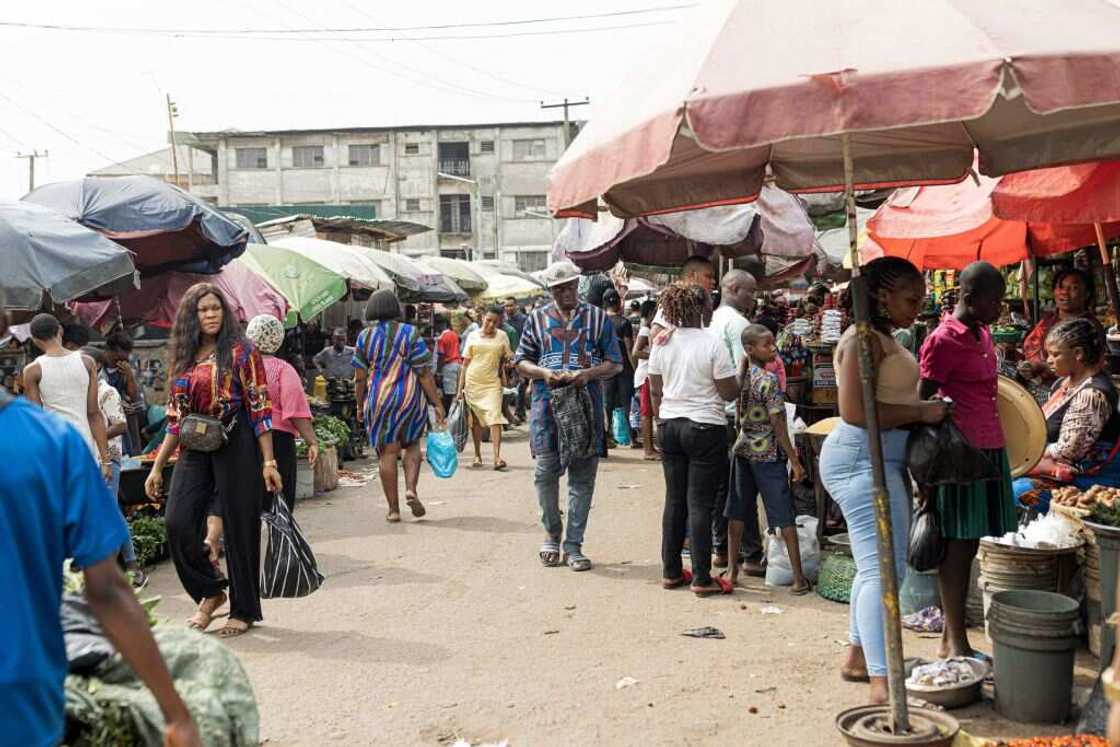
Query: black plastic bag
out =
(86, 645)
(941, 455)
(457, 424)
(927, 548)
(289, 568)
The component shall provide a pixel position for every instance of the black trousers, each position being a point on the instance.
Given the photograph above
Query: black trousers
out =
(694, 459)
(232, 475)
(284, 451)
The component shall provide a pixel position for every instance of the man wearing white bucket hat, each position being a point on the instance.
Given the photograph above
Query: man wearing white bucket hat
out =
(565, 343)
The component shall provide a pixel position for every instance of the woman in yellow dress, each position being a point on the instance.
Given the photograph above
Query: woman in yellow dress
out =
(485, 354)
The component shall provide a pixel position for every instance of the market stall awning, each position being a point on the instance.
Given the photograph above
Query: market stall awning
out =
(343, 259)
(309, 287)
(458, 270)
(1084, 193)
(156, 302)
(751, 87)
(45, 255)
(500, 285)
(165, 227)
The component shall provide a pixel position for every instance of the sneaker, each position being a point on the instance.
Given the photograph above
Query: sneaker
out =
(137, 577)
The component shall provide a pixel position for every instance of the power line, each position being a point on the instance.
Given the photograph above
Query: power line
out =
(51, 125)
(368, 29)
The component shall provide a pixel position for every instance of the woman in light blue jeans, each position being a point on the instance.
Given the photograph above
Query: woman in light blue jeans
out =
(895, 291)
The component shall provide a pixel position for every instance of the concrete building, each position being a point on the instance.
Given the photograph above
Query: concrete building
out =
(196, 167)
(481, 187)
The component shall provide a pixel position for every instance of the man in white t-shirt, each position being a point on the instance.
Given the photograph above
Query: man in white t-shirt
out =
(691, 377)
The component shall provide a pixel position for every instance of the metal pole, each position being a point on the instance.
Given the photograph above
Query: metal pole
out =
(900, 715)
(174, 149)
(1109, 275)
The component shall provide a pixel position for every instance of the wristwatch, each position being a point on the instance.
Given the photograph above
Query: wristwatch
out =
(1110, 686)
(269, 463)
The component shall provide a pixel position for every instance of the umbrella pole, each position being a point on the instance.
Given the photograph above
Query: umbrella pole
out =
(1109, 275)
(900, 715)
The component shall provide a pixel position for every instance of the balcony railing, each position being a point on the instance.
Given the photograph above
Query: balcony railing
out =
(461, 226)
(455, 166)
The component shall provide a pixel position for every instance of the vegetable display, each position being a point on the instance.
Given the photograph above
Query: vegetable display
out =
(149, 536)
(330, 431)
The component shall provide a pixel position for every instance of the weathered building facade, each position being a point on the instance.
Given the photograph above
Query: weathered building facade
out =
(480, 187)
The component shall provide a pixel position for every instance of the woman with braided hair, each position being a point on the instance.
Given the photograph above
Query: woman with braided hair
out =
(691, 378)
(1082, 424)
(895, 292)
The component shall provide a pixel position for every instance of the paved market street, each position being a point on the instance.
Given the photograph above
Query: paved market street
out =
(447, 628)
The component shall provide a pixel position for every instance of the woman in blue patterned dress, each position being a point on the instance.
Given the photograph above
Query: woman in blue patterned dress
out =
(393, 378)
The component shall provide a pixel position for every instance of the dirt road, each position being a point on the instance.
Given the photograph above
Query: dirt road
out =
(445, 628)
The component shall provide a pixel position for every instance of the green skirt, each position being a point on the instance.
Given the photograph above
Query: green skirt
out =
(979, 509)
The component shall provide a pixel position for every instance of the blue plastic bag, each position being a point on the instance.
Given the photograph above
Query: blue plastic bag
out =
(621, 427)
(442, 454)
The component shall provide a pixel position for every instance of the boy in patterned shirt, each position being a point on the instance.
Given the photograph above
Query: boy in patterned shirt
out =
(759, 468)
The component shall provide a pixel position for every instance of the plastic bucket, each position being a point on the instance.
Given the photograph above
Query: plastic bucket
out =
(1034, 646)
(1108, 547)
(1007, 568)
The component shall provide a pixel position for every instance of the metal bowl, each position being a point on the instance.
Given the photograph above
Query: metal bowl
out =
(863, 726)
(954, 696)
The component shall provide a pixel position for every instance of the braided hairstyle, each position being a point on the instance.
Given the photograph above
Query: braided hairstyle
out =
(884, 273)
(683, 304)
(1079, 333)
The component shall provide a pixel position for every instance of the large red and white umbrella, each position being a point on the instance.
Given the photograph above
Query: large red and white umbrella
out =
(917, 85)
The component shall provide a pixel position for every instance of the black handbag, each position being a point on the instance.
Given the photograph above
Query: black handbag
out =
(204, 433)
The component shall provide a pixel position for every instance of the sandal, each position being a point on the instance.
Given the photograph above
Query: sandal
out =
(721, 586)
(477, 463)
(234, 628)
(675, 583)
(577, 561)
(801, 591)
(201, 619)
(549, 554)
(393, 517)
(500, 466)
(415, 505)
(854, 675)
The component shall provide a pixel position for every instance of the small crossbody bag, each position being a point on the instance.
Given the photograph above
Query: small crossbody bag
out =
(204, 433)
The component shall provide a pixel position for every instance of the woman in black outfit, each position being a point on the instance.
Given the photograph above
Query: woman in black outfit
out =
(217, 373)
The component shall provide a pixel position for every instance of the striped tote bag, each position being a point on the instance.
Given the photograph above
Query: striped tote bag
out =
(289, 568)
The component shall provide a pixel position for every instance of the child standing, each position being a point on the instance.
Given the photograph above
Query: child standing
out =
(759, 467)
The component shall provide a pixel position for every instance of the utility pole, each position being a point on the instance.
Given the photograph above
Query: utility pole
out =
(172, 112)
(31, 166)
(567, 125)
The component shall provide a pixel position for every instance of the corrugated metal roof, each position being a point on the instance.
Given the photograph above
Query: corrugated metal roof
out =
(328, 130)
(383, 228)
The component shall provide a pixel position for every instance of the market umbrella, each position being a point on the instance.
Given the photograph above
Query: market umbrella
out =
(950, 226)
(435, 289)
(751, 86)
(859, 94)
(500, 285)
(457, 270)
(1086, 194)
(43, 253)
(407, 273)
(348, 261)
(506, 268)
(165, 227)
(157, 300)
(308, 286)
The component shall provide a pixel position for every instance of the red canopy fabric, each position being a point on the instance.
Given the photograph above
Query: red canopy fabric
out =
(951, 226)
(919, 85)
(157, 300)
(1084, 193)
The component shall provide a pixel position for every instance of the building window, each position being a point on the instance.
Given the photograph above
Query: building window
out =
(252, 158)
(532, 261)
(455, 213)
(529, 150)
(486, 146)
(412, 205)
(412, 149)
(455, 159)
(365, 155)
(487, 202)
(530, 206)
(307, 157)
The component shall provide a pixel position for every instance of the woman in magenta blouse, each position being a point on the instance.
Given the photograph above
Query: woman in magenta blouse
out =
(291, 414)
(958, 361)
(215, 372)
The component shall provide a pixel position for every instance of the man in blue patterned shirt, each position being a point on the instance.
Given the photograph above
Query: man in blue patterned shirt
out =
(565, 343)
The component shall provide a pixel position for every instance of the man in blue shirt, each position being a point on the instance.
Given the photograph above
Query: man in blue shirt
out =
(53, 506)
(565, 343)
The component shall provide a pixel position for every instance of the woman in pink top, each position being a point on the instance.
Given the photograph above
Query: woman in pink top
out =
(291, 415)
(959, 362)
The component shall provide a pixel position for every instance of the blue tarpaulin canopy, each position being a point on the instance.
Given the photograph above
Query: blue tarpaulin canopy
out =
(166, 228)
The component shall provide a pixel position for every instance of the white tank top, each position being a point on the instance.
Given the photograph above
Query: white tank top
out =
(64, 387)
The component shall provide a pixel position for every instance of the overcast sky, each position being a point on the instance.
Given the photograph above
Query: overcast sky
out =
(91, 99)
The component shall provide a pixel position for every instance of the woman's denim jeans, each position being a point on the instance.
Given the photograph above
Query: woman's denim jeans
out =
(845, 468)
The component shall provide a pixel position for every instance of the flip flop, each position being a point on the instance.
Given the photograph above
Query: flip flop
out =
(802, 591)
(393, 517)
(476, 464)
(723, 586)
(676, 583)
(847, 676)
(233, 631)
(501, 466)
(415, 505)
